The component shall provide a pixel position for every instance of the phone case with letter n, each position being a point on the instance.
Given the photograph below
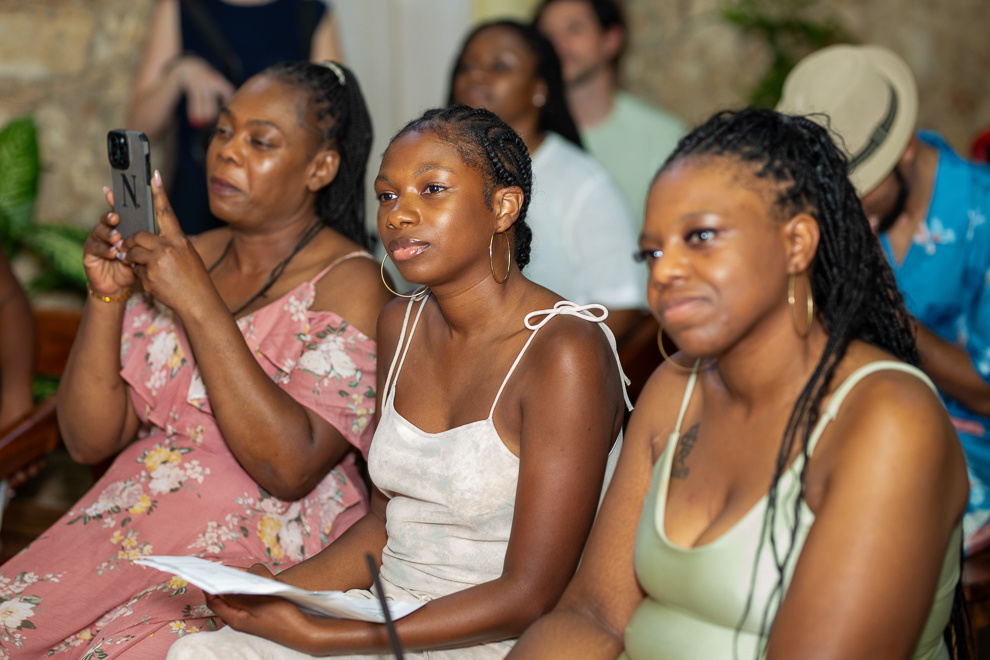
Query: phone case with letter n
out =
(132, 199)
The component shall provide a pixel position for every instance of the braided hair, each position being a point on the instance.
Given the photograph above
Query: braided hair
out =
(343, 124)
(852, 284)
(485, 143)
(554, 115)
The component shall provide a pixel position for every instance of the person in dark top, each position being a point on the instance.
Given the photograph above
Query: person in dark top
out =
(196, 54)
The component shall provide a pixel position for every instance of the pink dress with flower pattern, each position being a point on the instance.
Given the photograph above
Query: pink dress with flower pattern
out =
(178, 490)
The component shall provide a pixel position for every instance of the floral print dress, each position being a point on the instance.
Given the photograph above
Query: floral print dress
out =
(178, 490)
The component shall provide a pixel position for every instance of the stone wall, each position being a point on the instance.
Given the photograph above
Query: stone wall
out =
(685, 57)
(70, 62)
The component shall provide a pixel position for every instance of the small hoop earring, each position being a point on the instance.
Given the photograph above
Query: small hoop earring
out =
(667, 357)
(792, 303)
(491, 258)
(416, 295)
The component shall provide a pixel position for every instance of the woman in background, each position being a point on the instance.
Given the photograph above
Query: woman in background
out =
(791, 485)
(583, 235)
(233, 377)
(196, 54)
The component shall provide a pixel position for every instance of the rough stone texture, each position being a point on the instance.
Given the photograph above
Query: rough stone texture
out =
(683, 56)
(70, 62)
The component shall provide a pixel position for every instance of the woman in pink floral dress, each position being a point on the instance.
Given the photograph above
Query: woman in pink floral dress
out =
(235, 396)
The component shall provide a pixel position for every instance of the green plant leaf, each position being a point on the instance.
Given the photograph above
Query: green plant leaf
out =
(65, 254)
(20, 166)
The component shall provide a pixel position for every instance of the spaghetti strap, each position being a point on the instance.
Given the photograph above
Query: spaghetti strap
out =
(565, 307)
(832, 409)
(688, 391)
(400, 351)
(349, 255)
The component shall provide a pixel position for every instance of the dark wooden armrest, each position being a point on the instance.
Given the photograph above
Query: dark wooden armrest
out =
(29, 439)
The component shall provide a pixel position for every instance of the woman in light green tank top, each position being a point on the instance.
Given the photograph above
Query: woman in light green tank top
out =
(791, 485)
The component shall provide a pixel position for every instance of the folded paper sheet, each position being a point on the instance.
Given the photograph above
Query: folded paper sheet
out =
(216, 578)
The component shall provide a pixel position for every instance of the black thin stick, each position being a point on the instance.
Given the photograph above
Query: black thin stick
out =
(392, 635)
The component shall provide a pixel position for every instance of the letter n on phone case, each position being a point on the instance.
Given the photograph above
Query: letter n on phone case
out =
(130, 189)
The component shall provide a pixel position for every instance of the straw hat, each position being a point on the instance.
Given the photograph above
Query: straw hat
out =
(870, 100)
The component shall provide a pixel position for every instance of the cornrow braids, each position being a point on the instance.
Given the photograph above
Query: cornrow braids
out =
(343, 122)
(852, 284)
(554, 115)
(486, 143)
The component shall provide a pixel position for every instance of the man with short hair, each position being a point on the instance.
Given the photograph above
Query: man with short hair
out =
(628, 136)
(929, 208)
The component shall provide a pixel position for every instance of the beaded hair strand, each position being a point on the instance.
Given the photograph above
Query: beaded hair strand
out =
(852, 285)
(488, 144)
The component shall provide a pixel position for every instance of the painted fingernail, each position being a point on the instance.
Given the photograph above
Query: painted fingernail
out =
(118, 244)
(105, 190)
(158, 178)
(120, 256)
(113, 232)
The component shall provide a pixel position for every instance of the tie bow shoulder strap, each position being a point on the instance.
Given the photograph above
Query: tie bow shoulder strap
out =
(588, 313)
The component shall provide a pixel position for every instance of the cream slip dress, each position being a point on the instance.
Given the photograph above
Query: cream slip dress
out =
(451, 501)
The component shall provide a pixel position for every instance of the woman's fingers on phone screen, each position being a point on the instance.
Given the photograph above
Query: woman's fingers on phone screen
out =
(168, 224)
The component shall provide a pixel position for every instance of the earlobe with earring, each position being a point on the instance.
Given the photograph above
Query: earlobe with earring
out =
(539, 100)
(792, 303)
(417, 295)
(491, 257)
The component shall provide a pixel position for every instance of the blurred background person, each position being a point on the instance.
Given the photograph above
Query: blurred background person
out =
(630, 137)
(197, 52)
(583, 234)
(16, 346)
(929, 208)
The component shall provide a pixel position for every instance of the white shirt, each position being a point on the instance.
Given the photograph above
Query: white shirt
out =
(583, 233)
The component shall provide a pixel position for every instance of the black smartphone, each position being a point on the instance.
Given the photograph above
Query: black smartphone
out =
(130, 162)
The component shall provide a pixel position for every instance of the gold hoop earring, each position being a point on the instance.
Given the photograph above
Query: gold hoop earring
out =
(667, 357)
(416, 295)
(491, 258)
(792, 303)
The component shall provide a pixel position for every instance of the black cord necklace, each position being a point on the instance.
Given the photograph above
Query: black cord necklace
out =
(277, 271)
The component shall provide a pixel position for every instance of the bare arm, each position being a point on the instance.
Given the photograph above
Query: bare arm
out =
(897, 487)
(17, 347)
(165, 74)
(590, 620)
(285, 446)
(951, 369)
(95, 415)
(560, 456)
(326, 40)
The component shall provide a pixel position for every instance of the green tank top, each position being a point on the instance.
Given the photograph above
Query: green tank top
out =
(695, 597)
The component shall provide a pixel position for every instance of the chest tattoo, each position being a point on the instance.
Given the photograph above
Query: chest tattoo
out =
(678, 469)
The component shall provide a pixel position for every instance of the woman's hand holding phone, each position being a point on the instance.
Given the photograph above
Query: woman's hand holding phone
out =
(107, 274)
(167, 264)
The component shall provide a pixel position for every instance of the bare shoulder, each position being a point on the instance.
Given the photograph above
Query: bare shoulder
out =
(659, 402)
(890, 430)
(353, 289)
(390, 323)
